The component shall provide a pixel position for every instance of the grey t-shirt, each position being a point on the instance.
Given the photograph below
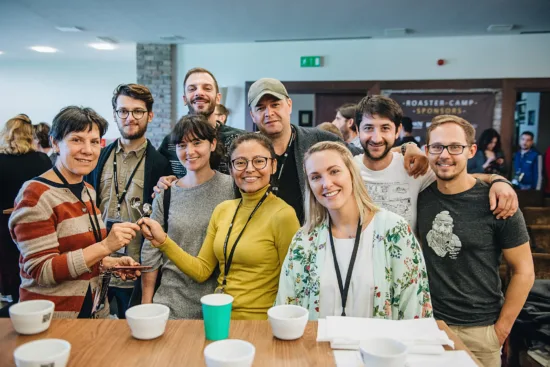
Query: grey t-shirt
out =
(189, 215)
(462, 242)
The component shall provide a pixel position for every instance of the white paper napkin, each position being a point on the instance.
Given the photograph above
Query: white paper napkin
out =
(345, 332)
(459, 358)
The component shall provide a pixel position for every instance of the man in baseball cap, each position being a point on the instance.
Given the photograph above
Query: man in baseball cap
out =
(270, 109)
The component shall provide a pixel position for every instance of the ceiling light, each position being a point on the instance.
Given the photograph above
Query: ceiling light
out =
(500, 28)
(102, 46)
(44, 49)
(69, 29)
(107, 40)
(1, 52)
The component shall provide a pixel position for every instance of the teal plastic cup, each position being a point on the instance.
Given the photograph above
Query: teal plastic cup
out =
(216, 312)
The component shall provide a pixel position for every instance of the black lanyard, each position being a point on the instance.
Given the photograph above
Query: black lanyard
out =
(227, 261)
(120, 197)
(95, 226)
(345, 289)
(275, 187)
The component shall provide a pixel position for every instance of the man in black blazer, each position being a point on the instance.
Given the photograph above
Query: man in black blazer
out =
(270, 109)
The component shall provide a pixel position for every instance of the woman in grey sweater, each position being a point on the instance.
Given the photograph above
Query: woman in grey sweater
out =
(192, 201)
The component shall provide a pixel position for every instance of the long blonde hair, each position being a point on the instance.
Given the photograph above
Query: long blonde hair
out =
(315, 213)
(17, 136)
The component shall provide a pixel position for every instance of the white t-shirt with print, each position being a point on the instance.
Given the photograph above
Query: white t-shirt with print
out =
(393, 189)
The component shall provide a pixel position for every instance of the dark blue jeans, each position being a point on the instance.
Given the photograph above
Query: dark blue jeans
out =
(122, 297)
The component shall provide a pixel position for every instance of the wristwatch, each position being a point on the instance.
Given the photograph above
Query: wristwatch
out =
(501, 180)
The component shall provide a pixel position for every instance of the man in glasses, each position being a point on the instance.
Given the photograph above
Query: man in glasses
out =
(128, 168)
(463, 243)
(387, 173)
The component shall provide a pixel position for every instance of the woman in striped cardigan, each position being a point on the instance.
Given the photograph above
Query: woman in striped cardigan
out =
(57, 227)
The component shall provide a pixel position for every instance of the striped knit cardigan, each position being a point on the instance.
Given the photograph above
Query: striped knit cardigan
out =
(50, 227)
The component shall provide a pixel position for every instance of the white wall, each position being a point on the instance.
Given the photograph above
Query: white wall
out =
(472, 57)
(301, 102)
(41, 88)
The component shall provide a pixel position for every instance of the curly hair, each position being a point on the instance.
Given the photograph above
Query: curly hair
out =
(17, 136)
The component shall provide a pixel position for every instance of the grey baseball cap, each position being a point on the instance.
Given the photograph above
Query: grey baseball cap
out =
(264, 86)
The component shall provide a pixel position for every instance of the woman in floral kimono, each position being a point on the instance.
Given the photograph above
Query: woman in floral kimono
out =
(351, 258)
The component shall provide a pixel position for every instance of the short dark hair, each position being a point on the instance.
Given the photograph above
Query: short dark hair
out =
(407, 123)
(485, 139)
(200, 70)
(349, 111)
(223, 109)
(74, 118)
(191, 127)
(41, 133)
(259, 138)
(135, 91)
(528, 133)
(382, 106)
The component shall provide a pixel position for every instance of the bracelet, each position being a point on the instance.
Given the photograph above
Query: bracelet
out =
(501, 180)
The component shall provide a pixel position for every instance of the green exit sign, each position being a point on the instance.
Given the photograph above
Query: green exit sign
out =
(311, 61)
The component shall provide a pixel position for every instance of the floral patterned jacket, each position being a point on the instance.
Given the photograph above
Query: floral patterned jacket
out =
(401, 282)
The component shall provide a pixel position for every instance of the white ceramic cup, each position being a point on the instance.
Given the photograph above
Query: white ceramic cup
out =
(32, 317)
(288, 322)
(229, 353)
(147, 321)
(44, 352)
(383, 352)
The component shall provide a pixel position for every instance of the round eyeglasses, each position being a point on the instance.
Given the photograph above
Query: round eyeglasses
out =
(123, 114)
(258, 162)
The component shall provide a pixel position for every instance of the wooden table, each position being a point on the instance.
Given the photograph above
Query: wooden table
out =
(106, 343)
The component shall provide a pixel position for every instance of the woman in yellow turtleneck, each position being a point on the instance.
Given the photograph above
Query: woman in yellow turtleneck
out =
(260, 223)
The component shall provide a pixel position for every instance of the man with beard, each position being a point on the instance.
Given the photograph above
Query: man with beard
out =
(386, 173)
(201, 95)
(127, 168)
(464, 244)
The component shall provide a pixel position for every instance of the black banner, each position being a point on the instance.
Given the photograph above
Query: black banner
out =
(476, 108)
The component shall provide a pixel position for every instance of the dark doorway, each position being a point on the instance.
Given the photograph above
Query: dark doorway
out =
(327, 103)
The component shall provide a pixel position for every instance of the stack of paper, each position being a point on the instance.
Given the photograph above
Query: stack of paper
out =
(423, 337)
(346, 332)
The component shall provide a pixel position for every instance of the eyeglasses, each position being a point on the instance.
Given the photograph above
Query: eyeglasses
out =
(123, 114)
(258, 162)
(453, 149)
